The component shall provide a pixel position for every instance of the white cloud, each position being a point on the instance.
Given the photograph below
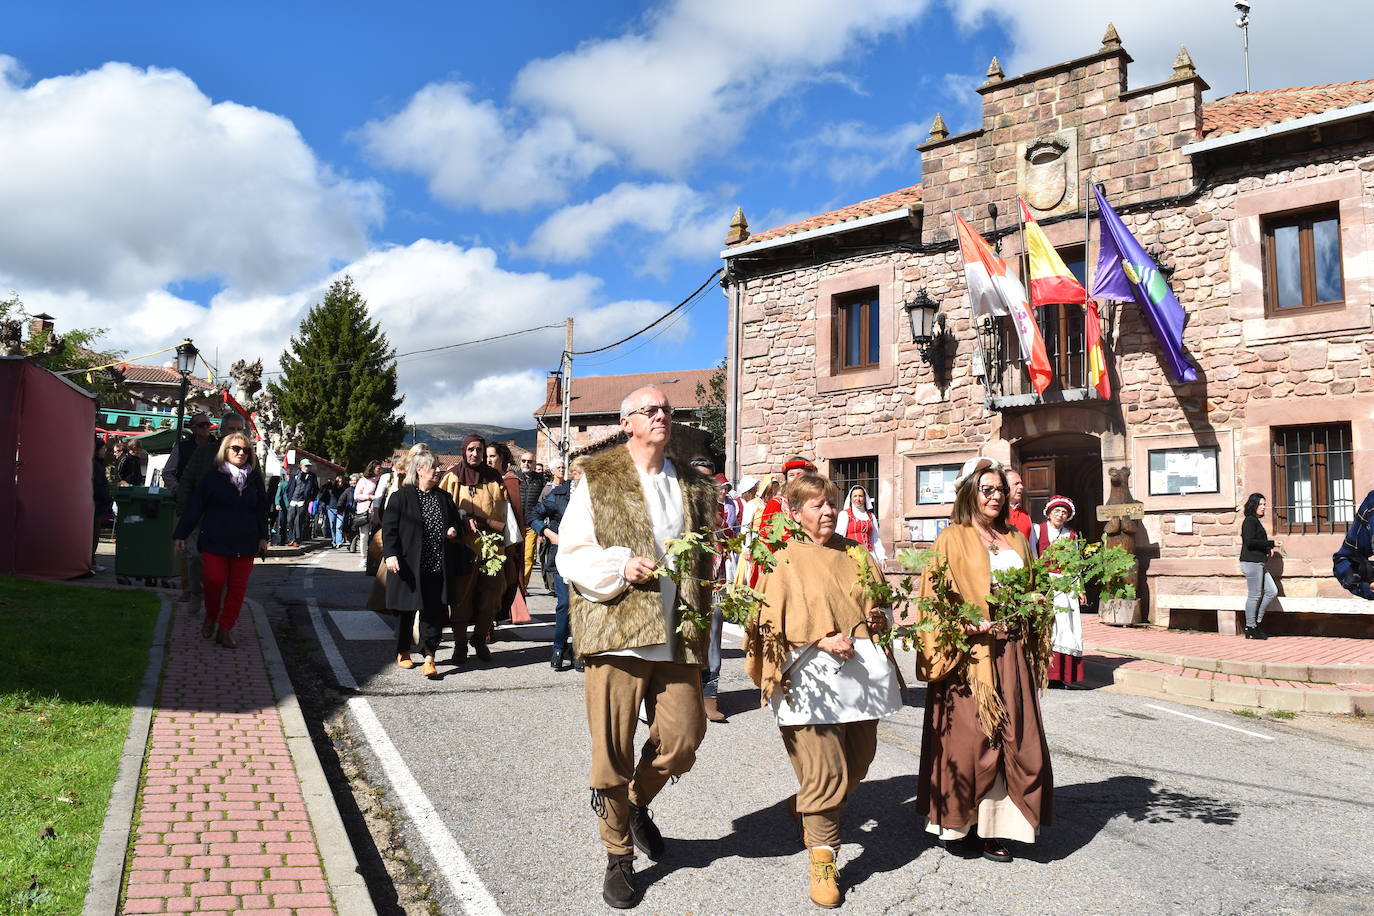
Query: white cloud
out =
(687, 223)
(472, 153)
(121, 180)
(689, 81)
(1055, 30)
(855, 153)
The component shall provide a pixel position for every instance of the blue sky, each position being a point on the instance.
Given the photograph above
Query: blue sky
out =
(479, 168)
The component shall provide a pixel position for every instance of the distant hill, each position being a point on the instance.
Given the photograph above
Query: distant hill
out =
(446, 438)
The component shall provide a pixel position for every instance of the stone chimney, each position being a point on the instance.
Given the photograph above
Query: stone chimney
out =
(40, 325)
(553, 393)
(739, 228)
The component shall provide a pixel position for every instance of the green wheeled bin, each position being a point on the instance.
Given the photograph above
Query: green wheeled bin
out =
(144, 552)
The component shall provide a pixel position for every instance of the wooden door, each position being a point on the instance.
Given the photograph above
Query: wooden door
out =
(1038, 476)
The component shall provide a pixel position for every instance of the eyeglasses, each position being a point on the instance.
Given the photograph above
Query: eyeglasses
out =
(988, 491)
(652, 409)
(238, 449)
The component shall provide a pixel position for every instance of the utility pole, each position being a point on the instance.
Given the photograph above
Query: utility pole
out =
(565, 395)
(1243, 23)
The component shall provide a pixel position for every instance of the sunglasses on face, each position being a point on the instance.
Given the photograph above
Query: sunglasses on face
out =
(652, 409)
(988, 491)
(238, 449)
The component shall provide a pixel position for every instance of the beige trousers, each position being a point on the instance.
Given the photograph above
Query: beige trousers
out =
(830, 762)
(615, 686)
(531, 548)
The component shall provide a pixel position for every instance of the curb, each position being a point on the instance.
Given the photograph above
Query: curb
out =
(346, 883)
(1278, 671)
(1293, 699)
(286, 553)
(107, 870)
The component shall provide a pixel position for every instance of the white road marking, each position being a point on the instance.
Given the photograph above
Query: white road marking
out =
(1243, 731)
(453, 864)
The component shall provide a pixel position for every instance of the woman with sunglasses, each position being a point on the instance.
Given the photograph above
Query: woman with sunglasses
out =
(229, 505)
(985, 768)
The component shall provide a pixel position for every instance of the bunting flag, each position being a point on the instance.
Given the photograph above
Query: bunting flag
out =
(238, 408)
(1125, 273)
(992, 290)
(1051, 282)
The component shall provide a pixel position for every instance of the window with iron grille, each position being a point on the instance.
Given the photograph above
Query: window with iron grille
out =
(1302, 261)
(850, 472)
(1314, 479)
(1061, 328)
(857, 330)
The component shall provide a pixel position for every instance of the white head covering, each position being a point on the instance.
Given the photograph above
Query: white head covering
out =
(975, 466)
(747, 483)
(868, 501)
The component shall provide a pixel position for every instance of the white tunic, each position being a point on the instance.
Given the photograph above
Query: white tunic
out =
(1067, 636)
(598, 573)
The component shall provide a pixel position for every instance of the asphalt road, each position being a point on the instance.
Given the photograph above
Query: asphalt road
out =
(1155, 812)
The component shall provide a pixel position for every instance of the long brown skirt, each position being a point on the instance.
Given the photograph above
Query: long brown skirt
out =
(959, 765)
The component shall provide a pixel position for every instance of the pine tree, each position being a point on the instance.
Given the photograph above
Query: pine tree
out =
(339, 381)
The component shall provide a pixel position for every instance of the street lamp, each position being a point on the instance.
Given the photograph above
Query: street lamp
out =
(928, 332)
(186, 361)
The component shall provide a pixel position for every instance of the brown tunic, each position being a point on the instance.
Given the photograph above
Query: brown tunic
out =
(959, 762)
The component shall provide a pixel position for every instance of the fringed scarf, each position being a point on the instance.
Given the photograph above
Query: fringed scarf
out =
(239, 475)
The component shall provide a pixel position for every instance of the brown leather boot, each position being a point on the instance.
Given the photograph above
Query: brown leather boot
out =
(825, 874)
(713, 713)
(618, 889)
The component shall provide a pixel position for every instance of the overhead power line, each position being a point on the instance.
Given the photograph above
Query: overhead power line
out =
(659, 320)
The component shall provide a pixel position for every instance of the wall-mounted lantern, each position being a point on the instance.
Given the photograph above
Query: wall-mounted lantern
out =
(928, 332)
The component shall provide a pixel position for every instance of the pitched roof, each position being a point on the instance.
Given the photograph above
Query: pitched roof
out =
(159, 374)
(884, 203)
(1244, 110)
(602, 394)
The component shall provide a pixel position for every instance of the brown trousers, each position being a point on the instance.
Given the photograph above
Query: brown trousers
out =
(479, 597)
(830, 761)
(615, 686)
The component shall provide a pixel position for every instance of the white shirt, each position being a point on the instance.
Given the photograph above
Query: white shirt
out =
(598, 573)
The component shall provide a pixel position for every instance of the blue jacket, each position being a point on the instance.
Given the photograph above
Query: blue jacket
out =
(548, 512)
(1350, 565)
(231, 523)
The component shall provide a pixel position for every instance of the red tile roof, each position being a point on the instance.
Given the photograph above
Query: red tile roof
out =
(1245, 110)
(885, 203)
(602, 394)
(160, 374)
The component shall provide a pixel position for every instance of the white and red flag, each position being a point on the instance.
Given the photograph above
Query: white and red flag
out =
(992, 290)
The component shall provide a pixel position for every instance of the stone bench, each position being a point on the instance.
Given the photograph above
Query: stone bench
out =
(1231, 608)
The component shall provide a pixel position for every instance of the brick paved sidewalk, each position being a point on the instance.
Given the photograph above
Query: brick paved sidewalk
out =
(1304, 650)
(223, 826)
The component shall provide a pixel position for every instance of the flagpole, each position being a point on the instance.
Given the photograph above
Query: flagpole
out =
(1025, 273)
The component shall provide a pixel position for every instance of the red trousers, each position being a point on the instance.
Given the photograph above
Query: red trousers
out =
(226, 581)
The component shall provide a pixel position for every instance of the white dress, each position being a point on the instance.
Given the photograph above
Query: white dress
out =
(1067, 636)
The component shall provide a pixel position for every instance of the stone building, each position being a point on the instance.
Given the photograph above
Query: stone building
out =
(1259, 209)
(595, 409)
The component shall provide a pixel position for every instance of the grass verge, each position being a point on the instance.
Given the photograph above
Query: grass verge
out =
(74, 658)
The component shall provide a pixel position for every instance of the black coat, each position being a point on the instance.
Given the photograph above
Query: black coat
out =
(305, 486)
(403, 537)
(130, 470)
(231, 523)
(1254, 541)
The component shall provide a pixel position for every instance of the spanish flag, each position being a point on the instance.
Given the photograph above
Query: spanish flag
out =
(1052, 283)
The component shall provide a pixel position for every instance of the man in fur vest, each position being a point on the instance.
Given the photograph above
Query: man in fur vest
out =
(633, 499)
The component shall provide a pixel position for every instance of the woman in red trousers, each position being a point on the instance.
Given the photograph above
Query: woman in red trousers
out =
(230, 506)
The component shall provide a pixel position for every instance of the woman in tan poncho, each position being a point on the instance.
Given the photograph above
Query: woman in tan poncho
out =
(985, 767)
(811, 654)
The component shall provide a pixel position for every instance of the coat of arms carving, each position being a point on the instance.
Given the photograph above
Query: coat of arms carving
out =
(1047, 172)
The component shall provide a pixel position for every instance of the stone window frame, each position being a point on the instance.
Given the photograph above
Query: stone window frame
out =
(1274, 221)
(830, 291)
(884, 447)
(1258, 435)
(1248, 295)
(1224, 499)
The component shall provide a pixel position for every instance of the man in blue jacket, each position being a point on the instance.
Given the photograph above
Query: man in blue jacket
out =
(1350, 564)
(544, 520)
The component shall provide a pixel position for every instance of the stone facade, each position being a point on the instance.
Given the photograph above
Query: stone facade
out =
(1196, 189)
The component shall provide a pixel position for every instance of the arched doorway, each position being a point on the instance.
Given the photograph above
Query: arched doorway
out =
(1069, 464)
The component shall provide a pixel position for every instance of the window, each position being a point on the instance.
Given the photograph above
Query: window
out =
(1181, 471)
(1302, 261)
(850, 472)
(935, 484)
(1313, 479)
(857, 330)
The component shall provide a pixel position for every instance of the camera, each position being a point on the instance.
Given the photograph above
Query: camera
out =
(1242, 7)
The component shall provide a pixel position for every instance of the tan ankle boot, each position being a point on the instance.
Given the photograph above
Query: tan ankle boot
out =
(713, 713)
(825, 874)
(405, 661)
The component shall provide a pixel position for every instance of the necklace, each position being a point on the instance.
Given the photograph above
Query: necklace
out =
(989, 541)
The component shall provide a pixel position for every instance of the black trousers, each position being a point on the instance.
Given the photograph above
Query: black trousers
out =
(297, 518)
(433, 616)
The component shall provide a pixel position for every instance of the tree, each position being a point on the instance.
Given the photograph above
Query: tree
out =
(338, 381)
(62, 353)
(711, 397)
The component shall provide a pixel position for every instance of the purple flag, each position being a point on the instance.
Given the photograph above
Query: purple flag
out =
(1125, 273)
